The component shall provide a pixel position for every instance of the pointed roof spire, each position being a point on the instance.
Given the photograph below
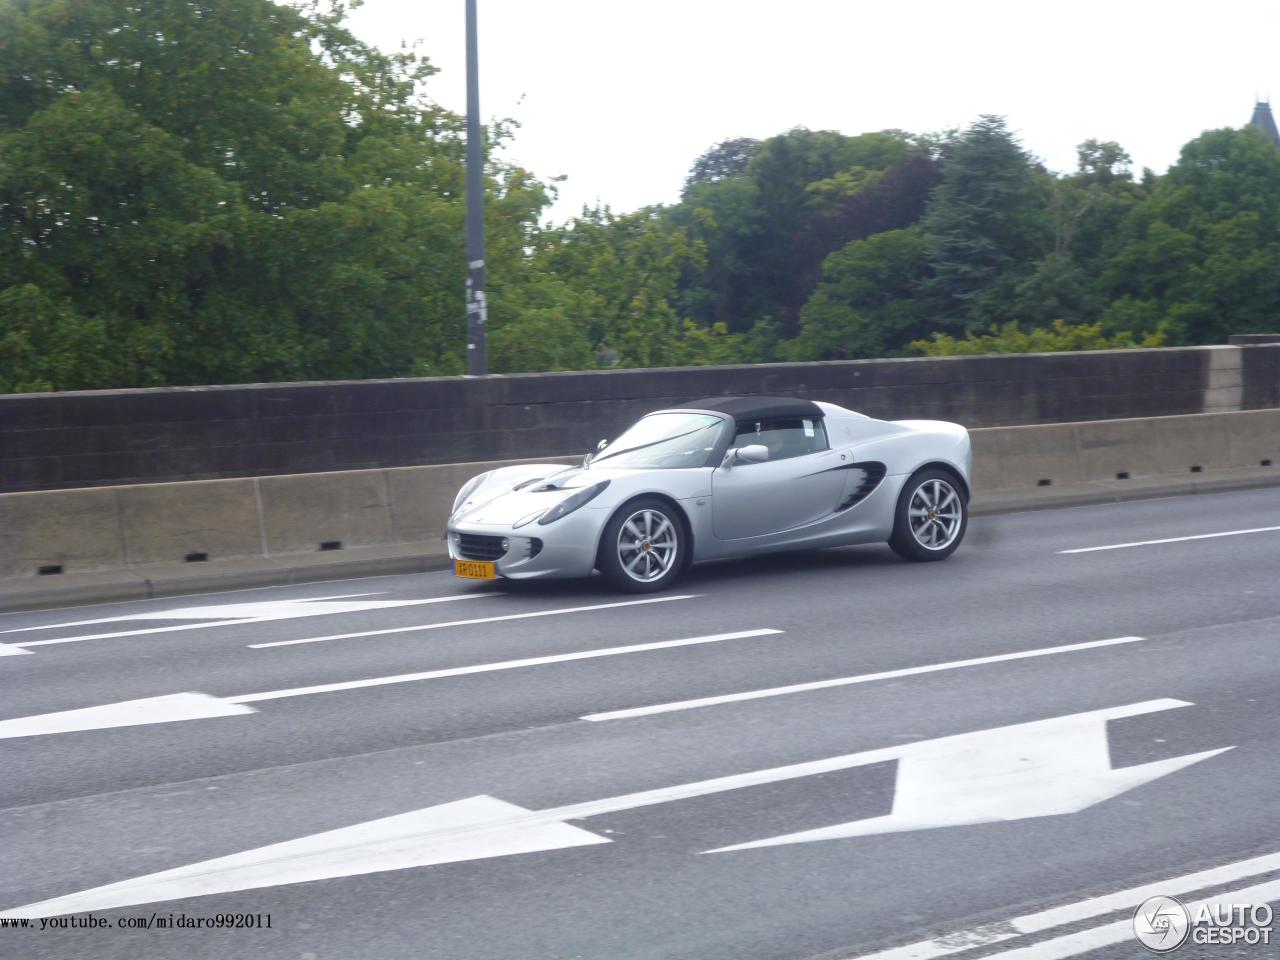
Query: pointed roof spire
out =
(1264, 121)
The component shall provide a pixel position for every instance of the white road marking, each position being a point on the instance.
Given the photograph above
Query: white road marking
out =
(847, 681)
(1001, 931)
(1121, 931)
(1041, 769)
(480, 827)
(245, 613)
(446, 833)
(1150, 543)
(196, 706)
(130, 713)
(501, 665)
(467, 623)
(10, 651)
(220, 611)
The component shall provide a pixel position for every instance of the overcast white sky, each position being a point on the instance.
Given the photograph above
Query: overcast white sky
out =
(622, 96)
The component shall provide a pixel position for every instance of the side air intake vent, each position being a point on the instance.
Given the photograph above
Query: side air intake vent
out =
(872, 474)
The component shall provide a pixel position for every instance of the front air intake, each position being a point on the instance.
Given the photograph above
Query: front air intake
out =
(475, 546)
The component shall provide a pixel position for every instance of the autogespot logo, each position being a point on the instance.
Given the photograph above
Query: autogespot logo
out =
(1161, 924)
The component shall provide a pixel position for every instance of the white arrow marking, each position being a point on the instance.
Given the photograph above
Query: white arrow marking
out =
(1038, 769)
(233, 614)
(483, 827)
(195, 706)
(222, 611)
(130, 713)
(8, 651)
(471, 829)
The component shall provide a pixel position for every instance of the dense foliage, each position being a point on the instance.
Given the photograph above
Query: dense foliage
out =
(212, 191)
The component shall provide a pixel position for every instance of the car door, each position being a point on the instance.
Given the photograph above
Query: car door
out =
(798, 484)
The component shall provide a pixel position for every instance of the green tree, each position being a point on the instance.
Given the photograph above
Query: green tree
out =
(864, 307)
(986, 218)
(726, 159)
(607, 286)
(1200, 257)
(231, 192)
(1011, 338)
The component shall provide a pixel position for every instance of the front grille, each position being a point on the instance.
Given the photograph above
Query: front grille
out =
(475, 546)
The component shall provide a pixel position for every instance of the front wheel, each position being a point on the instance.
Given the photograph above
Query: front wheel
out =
(643, 547)
(931, 518)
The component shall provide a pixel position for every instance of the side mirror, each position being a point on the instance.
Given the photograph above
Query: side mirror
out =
(752, 453)
(593, 454)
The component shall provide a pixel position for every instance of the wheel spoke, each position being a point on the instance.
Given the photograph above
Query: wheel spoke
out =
(934, 513)
(662, 536)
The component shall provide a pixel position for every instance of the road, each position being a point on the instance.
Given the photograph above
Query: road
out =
(560, 797)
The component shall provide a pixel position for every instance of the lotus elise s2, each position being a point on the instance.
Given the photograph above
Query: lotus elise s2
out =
(718, 478)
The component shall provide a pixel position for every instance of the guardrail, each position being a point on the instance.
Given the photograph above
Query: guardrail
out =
(45, 533)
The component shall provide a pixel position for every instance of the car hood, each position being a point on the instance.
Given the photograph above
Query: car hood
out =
(506, 503)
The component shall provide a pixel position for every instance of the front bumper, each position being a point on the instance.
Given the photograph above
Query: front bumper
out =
(568, 546)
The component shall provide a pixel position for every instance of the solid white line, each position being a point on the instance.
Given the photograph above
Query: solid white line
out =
(1121, 931)
(847, 681)
(466, 623)
(205, 626)
(489, 667)
(1149, 543)
(961, 940)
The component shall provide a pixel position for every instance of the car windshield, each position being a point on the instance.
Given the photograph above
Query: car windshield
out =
(664, 440)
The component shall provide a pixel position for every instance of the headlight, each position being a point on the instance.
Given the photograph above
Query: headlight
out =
(572, 503)
(468, 488)
(529, 519)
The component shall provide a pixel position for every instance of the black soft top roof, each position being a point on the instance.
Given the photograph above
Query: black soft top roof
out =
(757, 408)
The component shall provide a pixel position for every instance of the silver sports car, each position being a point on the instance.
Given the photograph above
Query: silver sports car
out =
(725, 477)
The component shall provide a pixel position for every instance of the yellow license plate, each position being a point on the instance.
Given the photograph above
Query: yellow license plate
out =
(475, 569)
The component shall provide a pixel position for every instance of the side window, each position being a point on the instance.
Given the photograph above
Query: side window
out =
(784, 438)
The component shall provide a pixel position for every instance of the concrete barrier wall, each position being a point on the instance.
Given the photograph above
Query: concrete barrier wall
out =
(107, 438)
(174, 523)
(201, 520)
(1017, 458)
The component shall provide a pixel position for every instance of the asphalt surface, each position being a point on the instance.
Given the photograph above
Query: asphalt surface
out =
(635, 878)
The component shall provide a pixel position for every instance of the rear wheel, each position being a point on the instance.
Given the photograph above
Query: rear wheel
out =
(643, 547)
(932, 517)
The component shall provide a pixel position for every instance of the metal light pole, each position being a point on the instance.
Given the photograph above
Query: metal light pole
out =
(477, 307)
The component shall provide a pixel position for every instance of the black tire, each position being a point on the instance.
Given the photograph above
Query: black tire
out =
(941, 515)
(651, 560)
